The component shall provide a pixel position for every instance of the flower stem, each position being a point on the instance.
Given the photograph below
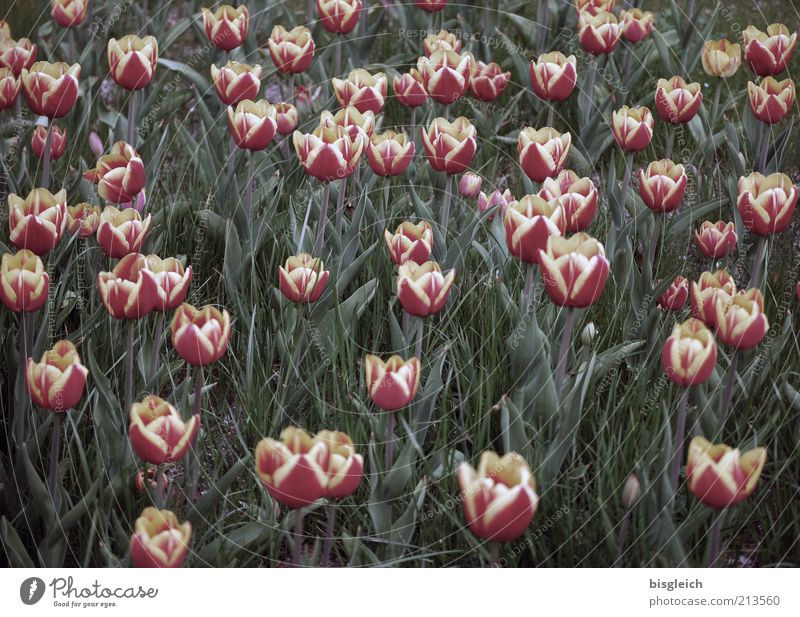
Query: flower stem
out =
(670, 140)
(623, 530)
(550, 112)
(330, 510)
(626, 183)
(47, 161)
(55, 453)
(386, 196)
(389, 447)
(590, 89)
(129, 368)
(340, 205)
(194, 450)
(651, 253)
(132, 118)
(323, 216)
(338, 65)
(758, 262)
(297, 555)
(248, 192)
(680, 437)
(160, 497)
(715, 106)
(445, 215)
(727, 393)
(159, 330)
(563, 349)
(766, 134)
(494, 555)
(420, 334)
(716, 532)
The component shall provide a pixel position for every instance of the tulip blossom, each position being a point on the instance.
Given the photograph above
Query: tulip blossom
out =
(636, 24)
(577, 196)
(303, 278)
(17, 55)
(445, 75)
(157, 433)
(9, 88)
(351, 119)
(120, 174)
(200, 336)
(542, 152)
(768, 53)
(133, 60)
(574, 270)
(689, 354)
(443, 39)
(236, 82)
(121, 232)
(662, 185)
(24, 283)
(393, 384)
(741, 322)
(329, 152)
(553, 76)
(389, 153)
(497, 198)
(58, 381)
(362, 90)
(83, 219)
(172, 280)
(422, 288)
(449, 146)
(159, 540)
(96, 144)
(766, 203)
(150, 476)
(500, 498)
(409, 89)
(291, 50)
(716, 239)
(431, 6)
(226, 27)
(632, 128)
(68, 13)
(130, 290)
(38, 221)
(487, 81)
(676, 101)
(51, 89)
(709, 289)
(343, 465)
(410, 242)
(470, 185)
(719, 476)
(339, 16)
(286, 118)
(253, 124)
(599, 34)
(675, 296)
(529, 223)
(58, 142)
(771, 100)
(721, 58)
(593, 7)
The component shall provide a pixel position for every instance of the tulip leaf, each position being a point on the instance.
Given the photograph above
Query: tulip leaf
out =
(13, 546)
(203, 508)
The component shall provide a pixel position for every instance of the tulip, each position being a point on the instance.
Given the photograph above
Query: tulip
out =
(445, 75)
(689, 354)
(68, 13)
(226, 27)
(253, 124)
(716, 239)
(542, 152)
(172, 280)
(771, 100)
(96, 144)
(422, 288)
(38, 221)
(599, 34)
(441, 40)
(707, 291)
(593, 7)
(588, 334)
(529, 223)
(133, 60)
(121, 232)
(662, 185)
(200, 336)
(329, 153)
(24, 283)
(676, 101)
(431, 6)
(487, 82)
(393, 384)
(286, 118)
(389, 153)
(339, 16)
(721, 58)
(159, 540)
(577, 196)
(51, 89)
(152, 476)
(158, 434)
(449, 146)
(632, 128)
(291, 50)
(120, 174)
(362, 90)
(631, 492)
(83, 219)
(768, 53)
(574, 270)
(343, 465)
(675, 296)
(766, 203)
(17, 55)
(303, 278)
(351, 119)
(58, 142)
(470, 185)
(719, 476)
(497, 198)
(130, 291)
(636, 24)
(58, 381)
(553, 76)
(500, 498)
(410, 242)
(236, 82)
(740, 319)
(409, 89)
(9, 88)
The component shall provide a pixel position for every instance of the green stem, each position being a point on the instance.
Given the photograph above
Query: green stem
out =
(389, 446)
(623, 530)
(716, 532)
(550, 112)
(563, 349)
(758, 261)
(330, 511)
(157, 333)
(715, 106)
(47, 160)
(420, 333)
(727, 393)
(670, 140)
(340, 205)
(680, 437)
(55, 453)
(651, 254)
(132, 118)
(766, 132)
(445, 214)
(323, 218)
(494, 555)
(129, 367)
(297, 555)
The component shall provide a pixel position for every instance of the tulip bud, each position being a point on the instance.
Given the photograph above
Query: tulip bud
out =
(422, 288)
(159, 540)
(574, 270)
(442, 40)
(719, 476)
(449, 146)
(741, 322)
(721, 58)
(58, 142)
(675, 296)
(9, 88)
(470, 185)
(253, 124)
(410, 242)
(632, 128)
(17, 55)
(577, 196)
(362, 90)
(542, 152)
(152, 472)
(339, 16)
(389, 153)
(330, 152)
(157, 433)
(766, 203)
(24, 283)
(392, 384)
(58, 381)
(83, 219)
(133, 60)
(120, 174)
(226, 27)
(599, 34)
(409, 89)
(51, 89)
(631, 492)
(130, 290)
(236, 82)
(676, 101)
(291, 51)
(707, 291)
(771, 100)
(96, 144)
(303, 278)
(587, 334)
(445, 75)
(487, 81)
(716, 239)
(768, 53)
(500, 498)
(636, 24)
(662, 185)
(286, 118)
(497, 198)
(689, 354)
(431, 6)
(200, 336)
(351, 119)
(68, 13)
(553, 76)
(121, 232)
(38, 221)
(172, 281)
(529, 223)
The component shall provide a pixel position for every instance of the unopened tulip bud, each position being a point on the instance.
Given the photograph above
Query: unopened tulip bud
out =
(24, 283)
(58, 381)
(470, 185)
(689, 354)
(588, 333)
(303, 278)
(159, 540)
(719, 476)
(432, 6)
(422, 288)
(157, 433)
(96, 144)
(496, 198)
(631, 492)
(768, 53)
(200, 336)
(226, 27)
(410, 242)
(392, 384)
